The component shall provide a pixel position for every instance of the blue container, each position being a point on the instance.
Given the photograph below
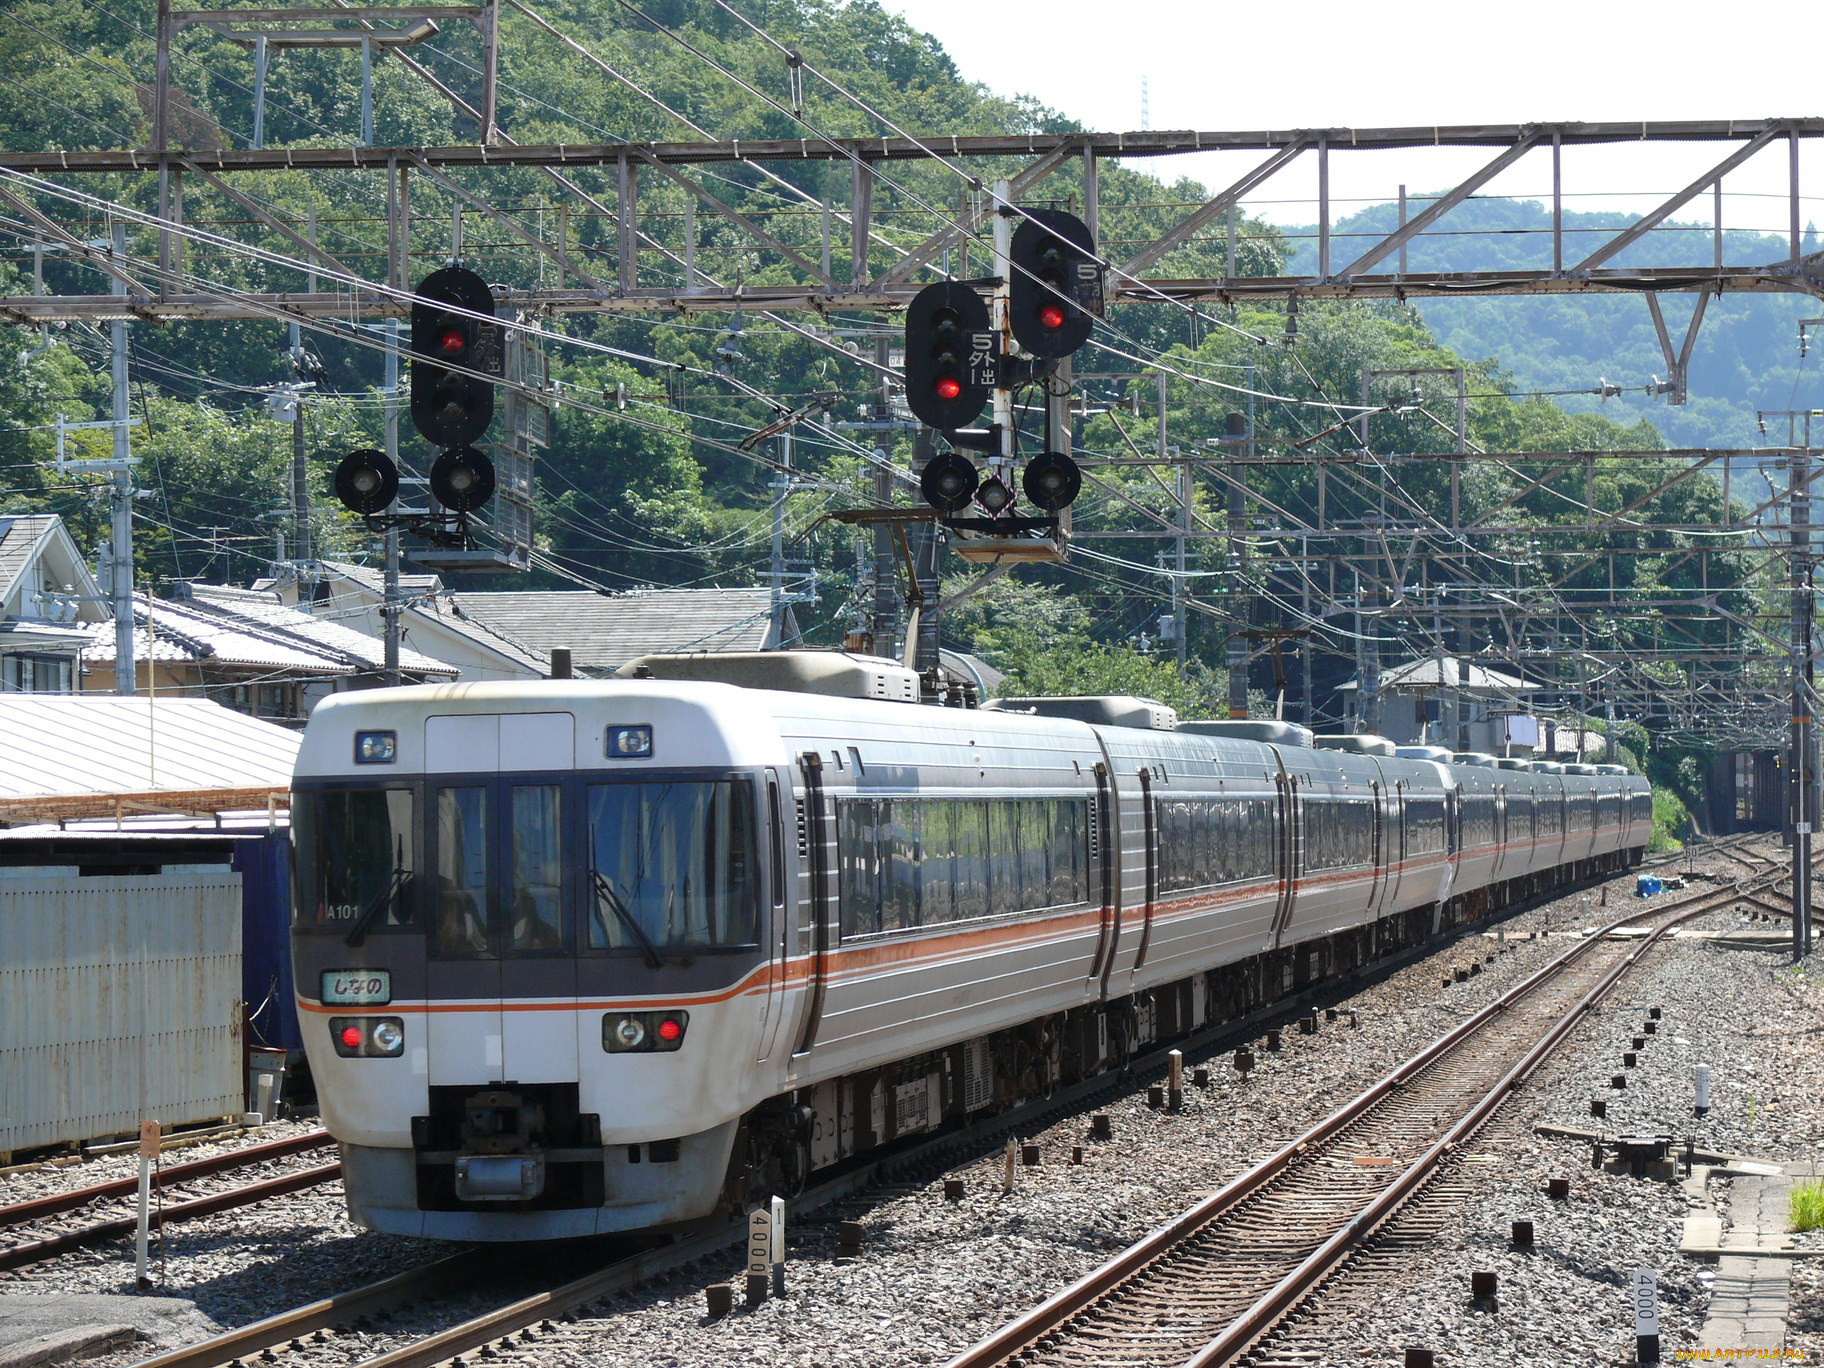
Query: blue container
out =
(1648, 885)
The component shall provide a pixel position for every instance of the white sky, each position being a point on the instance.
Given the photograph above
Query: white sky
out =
(1326, 64)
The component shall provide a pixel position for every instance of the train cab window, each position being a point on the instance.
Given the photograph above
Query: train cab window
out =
(671, 864)
(535, 896)
(355, 858)
(461, 911)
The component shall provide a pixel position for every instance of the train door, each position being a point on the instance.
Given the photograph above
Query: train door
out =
(780, 882)
(1377, 844)
(1501, 851)
(1149, 816)
(1393, 847)
(463, 1033)
(539, 882)
(820, 900)
(1288, 848)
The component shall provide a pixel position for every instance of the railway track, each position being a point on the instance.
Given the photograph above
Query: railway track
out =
(61, 1240)
(519, 1328)
(1205, 1288)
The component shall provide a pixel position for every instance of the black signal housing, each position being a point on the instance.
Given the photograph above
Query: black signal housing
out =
(450, 407)
(1055, 283)
(952, 360)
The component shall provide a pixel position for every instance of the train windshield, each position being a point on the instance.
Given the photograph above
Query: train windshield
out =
(354, 857)
(671, 865)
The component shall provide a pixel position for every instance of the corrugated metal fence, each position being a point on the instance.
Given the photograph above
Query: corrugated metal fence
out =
(119, 1001)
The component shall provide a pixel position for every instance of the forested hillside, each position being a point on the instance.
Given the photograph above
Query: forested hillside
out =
(1747, 353)
(645, 481)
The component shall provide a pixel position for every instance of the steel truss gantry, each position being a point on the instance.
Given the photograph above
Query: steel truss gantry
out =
(886, 265)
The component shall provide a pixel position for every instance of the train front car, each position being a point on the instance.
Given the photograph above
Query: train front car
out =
(530, 949)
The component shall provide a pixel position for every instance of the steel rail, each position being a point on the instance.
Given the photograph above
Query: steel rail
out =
(36, 1251)
(1245, 1329)
(1022, 1333)
(319, 1315)
(58, 1203)
(515, 1319)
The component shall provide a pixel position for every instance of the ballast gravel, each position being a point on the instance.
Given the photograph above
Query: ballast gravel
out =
(934, 1276)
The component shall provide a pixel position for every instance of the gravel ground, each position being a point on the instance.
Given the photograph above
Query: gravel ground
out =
(236, 1267)
(936, 1275)
(43, 1180)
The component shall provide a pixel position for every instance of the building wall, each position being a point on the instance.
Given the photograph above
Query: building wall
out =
(120, 1001)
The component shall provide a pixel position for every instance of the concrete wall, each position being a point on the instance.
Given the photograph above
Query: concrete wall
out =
(119, 1001)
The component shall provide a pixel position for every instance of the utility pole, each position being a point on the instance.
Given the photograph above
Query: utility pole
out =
(1184, 526)
(886, 577)
(390, 606)
(782, 487)
(1802, 765)
(120, 498)
(300, 468)
(1239, 435)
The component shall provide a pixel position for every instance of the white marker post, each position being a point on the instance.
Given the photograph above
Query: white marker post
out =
(759, 1254)
(776, 1245)
(1703, 1089)
(149, 1135)
(1646, 1316)
(1008, 1159)
(1174, 1082)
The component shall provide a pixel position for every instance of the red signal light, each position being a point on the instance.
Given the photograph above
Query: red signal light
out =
(351, 1037)
(1051, 317)
(948, 387)
(670, 1029)
(451, 341)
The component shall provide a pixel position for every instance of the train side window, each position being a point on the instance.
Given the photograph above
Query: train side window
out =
(535, 898)
(858, 855)
(937, 868)
(461, 910)
(970, 833)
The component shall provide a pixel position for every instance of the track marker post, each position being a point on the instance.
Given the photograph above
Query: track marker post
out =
(1645, 1294)
(1007, 1162)
(759, 1254)
(776, 1244)
(1174, 1087)
(150, 1133)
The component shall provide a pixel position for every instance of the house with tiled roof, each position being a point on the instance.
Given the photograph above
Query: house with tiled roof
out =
(603, 632)
(248, 650)
(49, 604)
(511, 634)
(429, 623)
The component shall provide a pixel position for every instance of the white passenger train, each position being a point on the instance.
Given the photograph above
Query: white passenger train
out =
(585, 956)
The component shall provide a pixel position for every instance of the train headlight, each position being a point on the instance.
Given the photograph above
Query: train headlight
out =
(368, 1037)
(643, 1032)
(376, 747)
(630, 743)
(388, 1036)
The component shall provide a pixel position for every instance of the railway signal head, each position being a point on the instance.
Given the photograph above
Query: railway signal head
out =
(366, 481)
(1055, 283)
(952, 362)
(994, 496)
(1051, 481)
(452, 407)
(462, 479)
(949, 482)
